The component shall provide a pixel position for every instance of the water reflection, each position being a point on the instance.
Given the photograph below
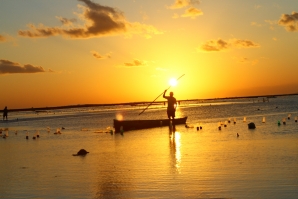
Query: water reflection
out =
(179, 112)
(175, 151)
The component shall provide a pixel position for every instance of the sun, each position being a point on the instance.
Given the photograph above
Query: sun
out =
(173, 82)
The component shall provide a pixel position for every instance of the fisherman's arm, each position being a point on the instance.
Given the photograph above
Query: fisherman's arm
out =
(164, 94)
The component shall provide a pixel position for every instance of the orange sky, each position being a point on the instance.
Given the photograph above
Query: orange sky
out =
(56, 53)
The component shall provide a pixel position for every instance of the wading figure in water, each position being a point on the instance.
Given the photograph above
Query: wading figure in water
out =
(5, 112)
(172, 104)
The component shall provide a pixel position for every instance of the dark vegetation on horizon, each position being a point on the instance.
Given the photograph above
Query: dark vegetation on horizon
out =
(140, 103)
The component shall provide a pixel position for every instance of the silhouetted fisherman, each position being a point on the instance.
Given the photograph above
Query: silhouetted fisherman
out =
(172, 104)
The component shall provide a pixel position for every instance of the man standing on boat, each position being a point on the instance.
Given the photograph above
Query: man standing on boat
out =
(172, 104)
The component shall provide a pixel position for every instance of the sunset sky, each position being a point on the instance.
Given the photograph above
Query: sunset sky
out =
(69, 52)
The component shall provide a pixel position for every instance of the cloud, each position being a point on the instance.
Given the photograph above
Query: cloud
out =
(245, 60)
(289, 21)
(65, 21)
(135, 63)
(192, 12)
(183, 3)
(242, 43)
(215, 45)
(272, 24)
(99, 56)
(2, 38)
(255, 24)
(8, 67)
(221, 45)
(98, 21)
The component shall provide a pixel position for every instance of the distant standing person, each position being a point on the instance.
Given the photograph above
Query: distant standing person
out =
(5, 112)
(172, 104)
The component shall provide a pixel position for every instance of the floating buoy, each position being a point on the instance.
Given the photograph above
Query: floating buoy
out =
(187, 126)
(251, 125)
(289, 116)
(58, 131)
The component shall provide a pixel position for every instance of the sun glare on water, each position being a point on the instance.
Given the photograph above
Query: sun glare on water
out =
(173, 82)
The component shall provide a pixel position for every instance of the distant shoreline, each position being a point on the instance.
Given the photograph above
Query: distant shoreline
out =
(139, 103)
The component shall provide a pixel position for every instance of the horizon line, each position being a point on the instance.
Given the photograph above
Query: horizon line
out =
(141, 102)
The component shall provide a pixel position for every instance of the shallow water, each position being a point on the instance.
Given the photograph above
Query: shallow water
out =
(154, 163)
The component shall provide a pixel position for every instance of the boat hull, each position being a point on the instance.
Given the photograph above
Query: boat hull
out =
(128, 125)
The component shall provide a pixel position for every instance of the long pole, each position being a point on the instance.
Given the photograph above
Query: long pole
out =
(158, 97)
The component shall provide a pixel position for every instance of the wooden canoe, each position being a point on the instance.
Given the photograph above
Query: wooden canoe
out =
(128, 125)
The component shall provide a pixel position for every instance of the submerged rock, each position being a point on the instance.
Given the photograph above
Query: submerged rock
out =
(251, 125)
(81, 152)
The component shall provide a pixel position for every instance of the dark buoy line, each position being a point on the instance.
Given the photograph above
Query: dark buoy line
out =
(251, 125)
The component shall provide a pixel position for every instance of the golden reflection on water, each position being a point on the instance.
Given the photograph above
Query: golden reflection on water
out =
(178, 112)
(175, 146)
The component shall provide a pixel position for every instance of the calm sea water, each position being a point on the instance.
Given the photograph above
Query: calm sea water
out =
(154, 163)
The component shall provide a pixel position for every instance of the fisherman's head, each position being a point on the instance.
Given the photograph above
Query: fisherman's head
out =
(171, 94)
